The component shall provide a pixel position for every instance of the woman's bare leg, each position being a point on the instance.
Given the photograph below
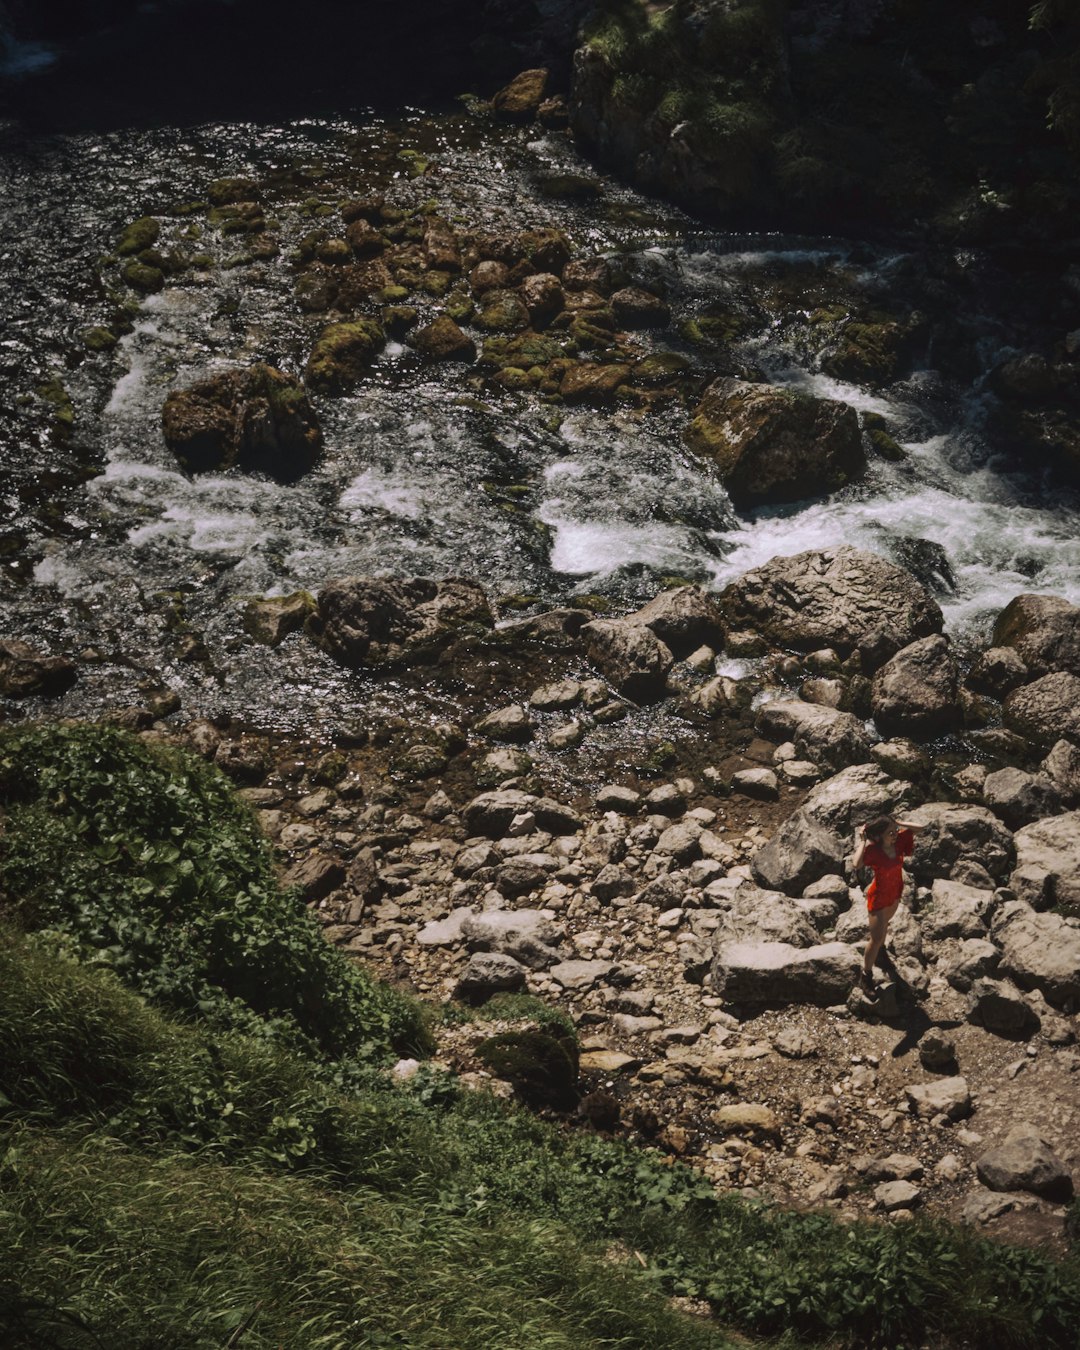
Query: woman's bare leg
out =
(879, 926)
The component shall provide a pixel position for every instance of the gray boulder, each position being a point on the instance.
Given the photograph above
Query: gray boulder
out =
(1040, 951)
(997, 672)
(823, 735)
(775, 974)
(1046, 709)
(852, 797)
(1048, 862)
(1044, 630)
(1062, 767)
(527, 935)
(755, 915)
(942, 1097)
(952, 835)
(997, 1006)
(1024, 1161)
(490, 973)
(798, 854)
(957, 911)
(683, 618)
(629, 655)
(916, 692)
(974, 958)
(1020, 798)
(490, 814)
(839, 598)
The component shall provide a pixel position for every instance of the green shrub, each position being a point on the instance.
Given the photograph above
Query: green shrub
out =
(147, 861)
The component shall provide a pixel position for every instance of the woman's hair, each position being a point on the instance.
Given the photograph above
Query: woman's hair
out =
(876, 828)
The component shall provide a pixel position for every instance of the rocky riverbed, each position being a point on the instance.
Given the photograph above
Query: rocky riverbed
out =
(683, 892)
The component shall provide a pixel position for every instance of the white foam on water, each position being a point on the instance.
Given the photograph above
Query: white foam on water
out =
(224, 532)
(583, 547)
(375, 491)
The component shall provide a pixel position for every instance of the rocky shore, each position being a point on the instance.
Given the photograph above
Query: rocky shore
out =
(687, 901)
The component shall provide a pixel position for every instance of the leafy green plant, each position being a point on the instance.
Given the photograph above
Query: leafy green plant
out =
(145, 858)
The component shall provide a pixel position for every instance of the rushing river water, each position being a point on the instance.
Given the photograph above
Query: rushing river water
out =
(426, 470)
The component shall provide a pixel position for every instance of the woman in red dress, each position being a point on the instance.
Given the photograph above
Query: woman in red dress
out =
(883, 845)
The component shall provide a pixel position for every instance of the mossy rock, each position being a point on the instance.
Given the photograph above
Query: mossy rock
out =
(392, 295)
(98, 339)
(227, 191)
(435, 282)
(570, 187)
(882, 443)
(502, 312)
(460, 307)
(398, 319)
(543, 1068)
(334, 251)
(660, 368)
(658, 760)
(243, 218)
(713, 330)
(142, 278)
(271, 620)
(343, 354)
(55, 394)
(419, 762)
(140, 234)
(512, 377)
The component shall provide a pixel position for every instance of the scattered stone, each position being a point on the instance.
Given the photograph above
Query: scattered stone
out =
(895, 1195)
(24, 672)
(998, 1007)
(937, 1052)
(580, 975)
(1025, 1162)
(747, 1118)
(794, 1043)
(511, 723)
(315, 877)
(614, 797)
(630, 655)
(612, 1063)
(947, 1097)
(489, 973)
(760, 784)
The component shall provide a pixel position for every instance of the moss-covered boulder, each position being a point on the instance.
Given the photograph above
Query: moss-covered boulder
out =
(520, 100)
(771, 445)
(272, 619)
(873, 352)
(227, 191)
(593, 383)
(343, 355)
(364, 239)
(443, 340)
(141, 277)
(502, 312)
(542, 1067)
(140, 234)
(258, 419)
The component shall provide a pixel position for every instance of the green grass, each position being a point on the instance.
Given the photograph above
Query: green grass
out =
(144, 859)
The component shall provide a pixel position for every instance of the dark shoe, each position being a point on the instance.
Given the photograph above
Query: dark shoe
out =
(866, 984)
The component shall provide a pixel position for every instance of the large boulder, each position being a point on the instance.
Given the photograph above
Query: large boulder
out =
(684, 618)
(343, 355)
(801, 852)
(957, 911)
(839, 598)
(749, 914)
(1020, 798)
(257, 419)
(366, 621)
(1024, 1161)
(852, 797)
(1048, 862)
(916, 692)
(952, 835)
(1045, 710)
(1040, 951)
(521, 98)
(775, 974)
(630, 655)
(823, 735)
(443, 340)
(999, 1007)
(1044, 630)
(773, 445)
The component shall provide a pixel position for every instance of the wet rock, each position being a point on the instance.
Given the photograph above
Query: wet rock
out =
(957, 911)
(257, 418)
(559, 695)
(363, 239)
(771, 445)
(943, 1097)
(638, 308)
(342, 356)
(1048, 862)
(1044, 630)
(775, 974)
(629, 655)
(823, 735)
(998, 1007)
(840, 598)
(364, 621)
(543, 297)
(244, 760)
(443, 340)
(315, 877)
(442, 248)
(916, 692)
(502, 312)
(270, 621)
(520, 100)
(1024, 1161)
(489, 973)
(501, 764)
(997, 672)
(682, 618)
(937, 1052)
(511, 723)
(800, 852)
(229, 191)
(1040, 951)
(952, 835)
(1046, 709)
(593, 383)
(1020, 798)
(25, 673)
(491, 813)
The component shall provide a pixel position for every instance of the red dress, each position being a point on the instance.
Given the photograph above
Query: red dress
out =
(888, 882)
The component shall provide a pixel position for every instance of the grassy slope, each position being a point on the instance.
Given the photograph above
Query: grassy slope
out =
(162, 1180)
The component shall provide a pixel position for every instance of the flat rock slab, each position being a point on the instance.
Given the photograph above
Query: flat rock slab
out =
(944, 1097)
(444, 932)
(612, 1062)
(776, 974)
(580, 974)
